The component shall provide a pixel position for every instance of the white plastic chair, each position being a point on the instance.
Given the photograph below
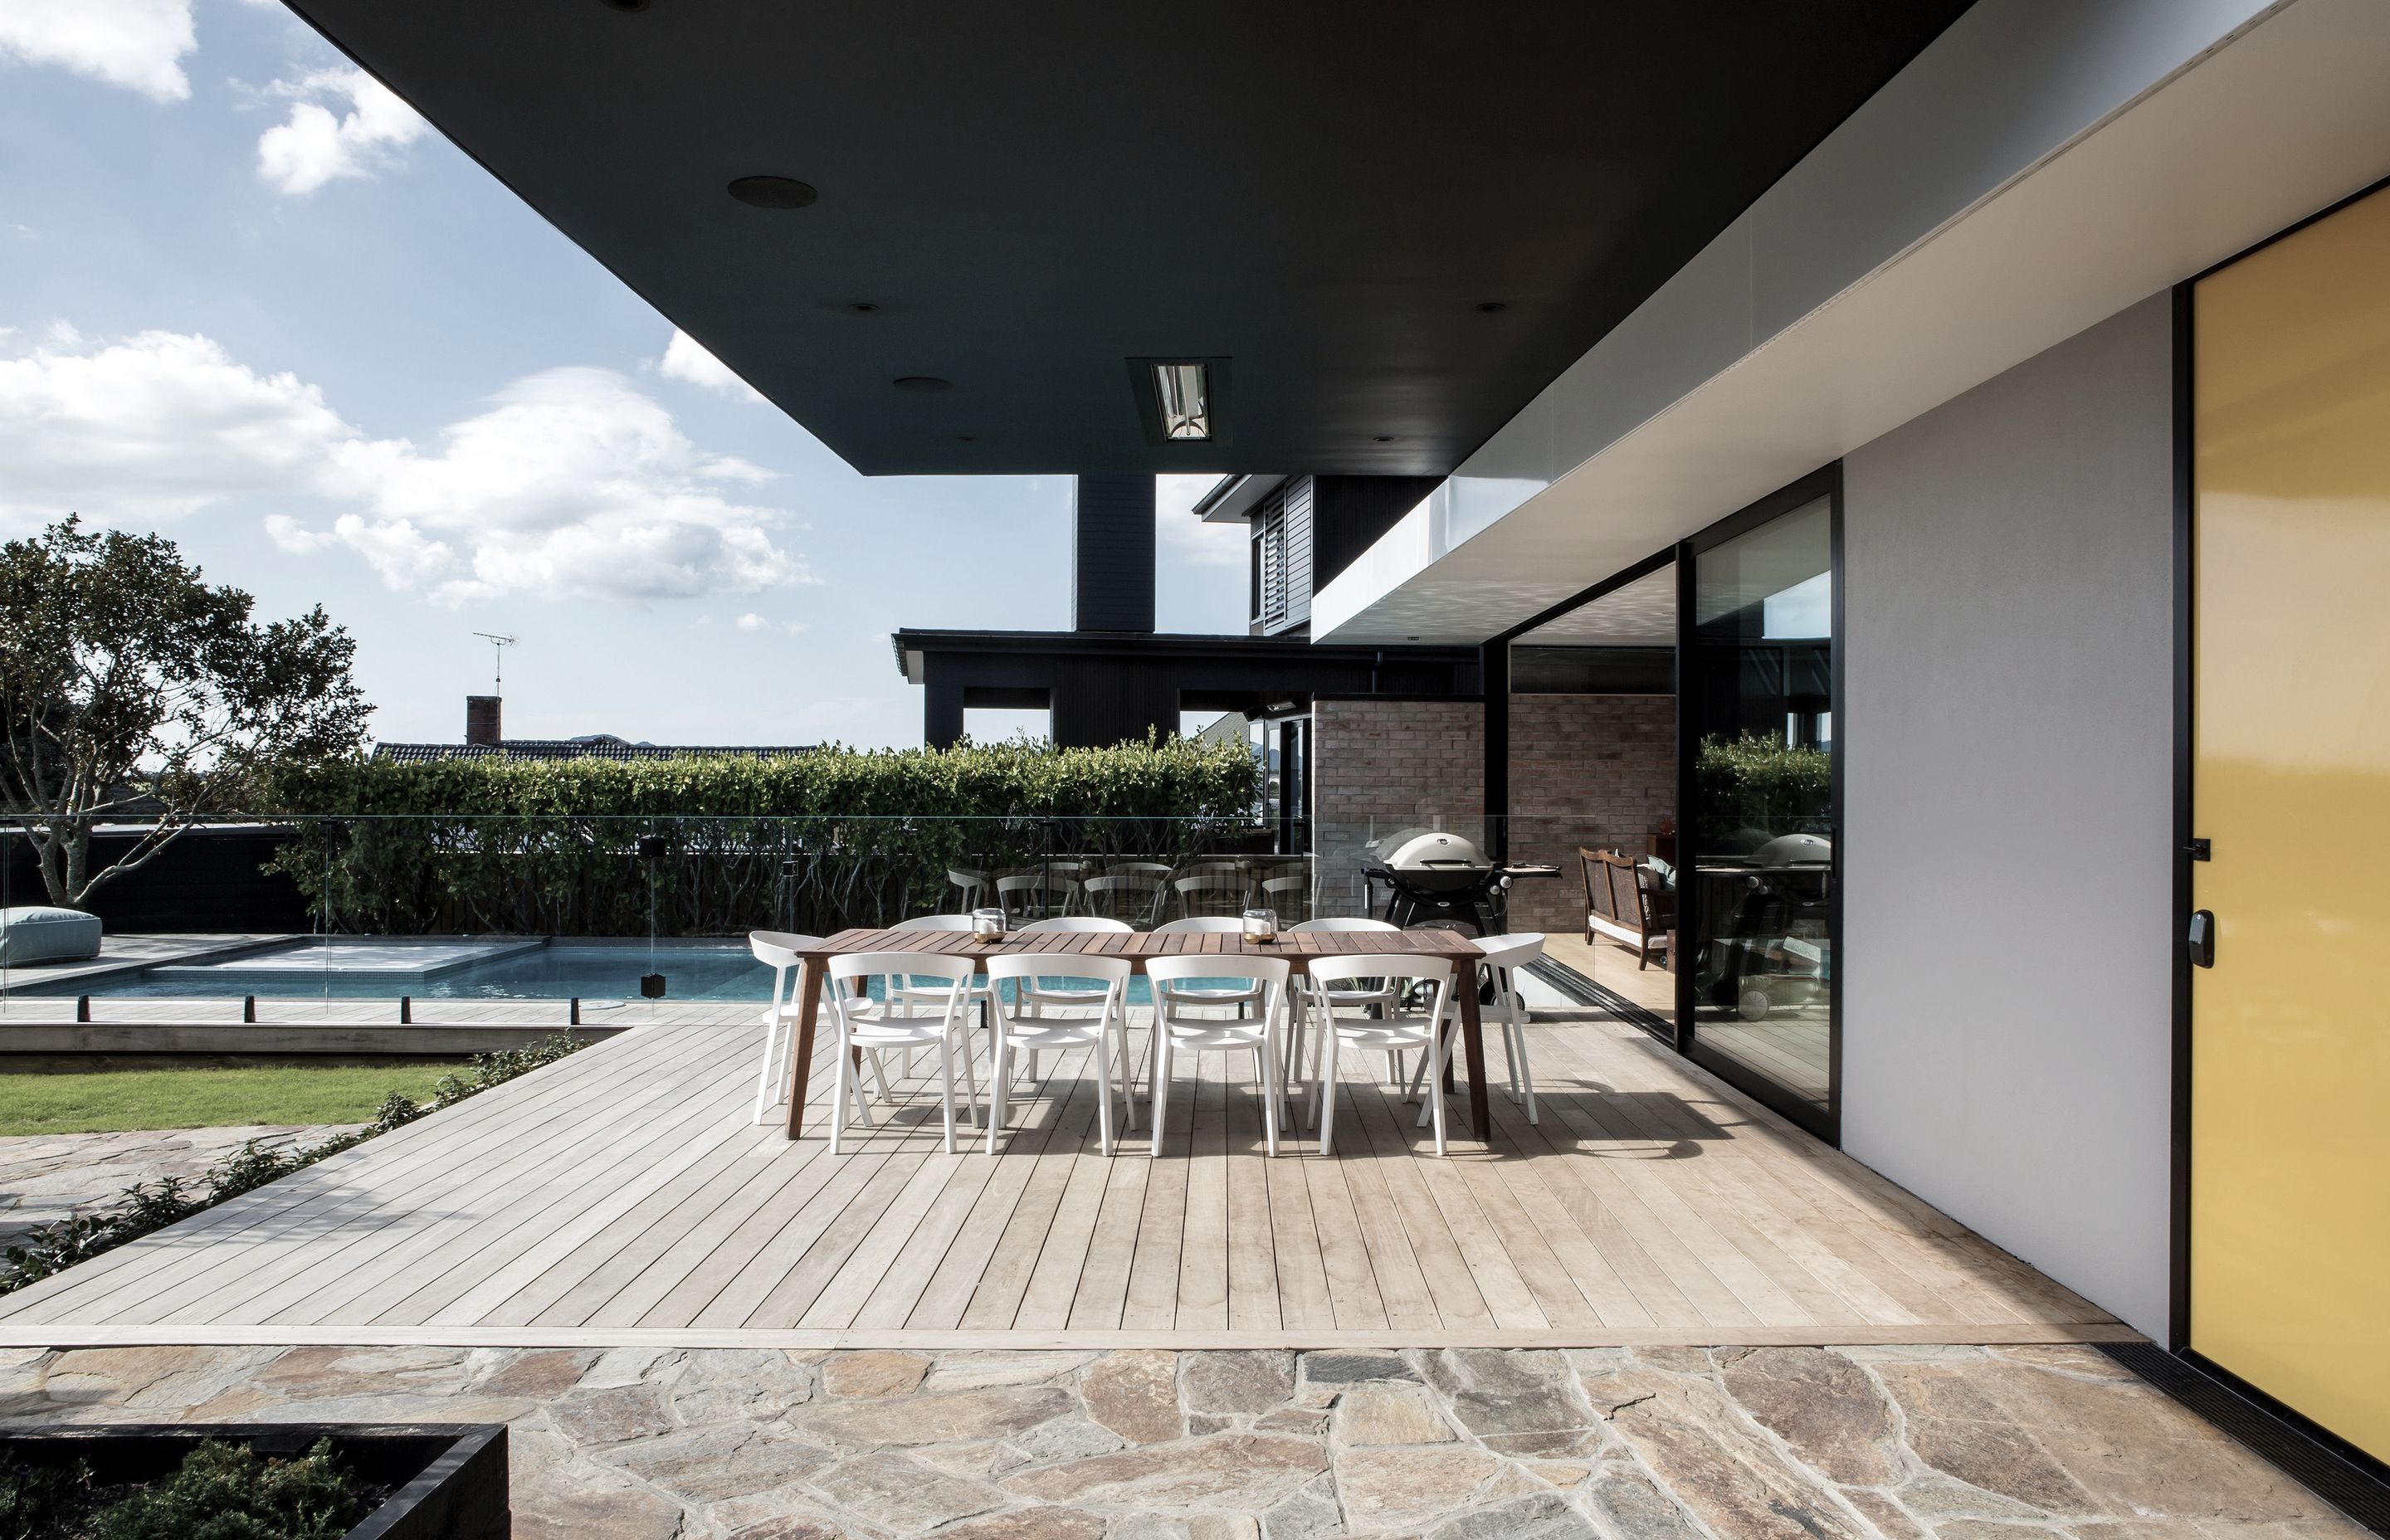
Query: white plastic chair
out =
(908, 1016)
(1212, 891)
(1131, 897)
(1026, 992)
(979, 986)
(1299, 1034)
(971, 887)
(1181, 1025)
(1504, 954)
(1293, 890)
(777, 950)
(1210, 925)
(1023, 1024)
(1399, 1029)
(1036, 895)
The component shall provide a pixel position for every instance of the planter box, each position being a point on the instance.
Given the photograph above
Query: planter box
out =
(450, 1479)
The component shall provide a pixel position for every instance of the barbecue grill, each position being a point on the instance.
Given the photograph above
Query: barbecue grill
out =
(1433, 876)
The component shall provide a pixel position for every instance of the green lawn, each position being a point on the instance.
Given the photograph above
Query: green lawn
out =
(108, 1100)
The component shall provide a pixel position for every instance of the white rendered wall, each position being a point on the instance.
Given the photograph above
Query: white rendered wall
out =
(2008, 723)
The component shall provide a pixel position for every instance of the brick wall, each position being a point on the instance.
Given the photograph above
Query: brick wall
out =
(1380, 765)
(1597, 770)
(1584, 770)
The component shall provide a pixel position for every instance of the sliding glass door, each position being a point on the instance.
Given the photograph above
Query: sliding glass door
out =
(1757, 878)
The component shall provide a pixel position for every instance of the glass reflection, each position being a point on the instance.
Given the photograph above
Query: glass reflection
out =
(1760, 691)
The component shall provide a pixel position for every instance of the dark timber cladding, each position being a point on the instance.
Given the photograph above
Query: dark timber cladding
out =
(1395, 223)
(1103, 687)
(1112, 554)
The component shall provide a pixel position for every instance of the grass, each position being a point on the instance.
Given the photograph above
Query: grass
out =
(110, 1100)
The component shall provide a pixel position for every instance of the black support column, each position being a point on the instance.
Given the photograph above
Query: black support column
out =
(1112, 554)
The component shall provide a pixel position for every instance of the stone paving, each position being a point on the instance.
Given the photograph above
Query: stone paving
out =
(1675, 1444)
(48, 1177)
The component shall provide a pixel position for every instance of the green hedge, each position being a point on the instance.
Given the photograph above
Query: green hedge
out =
(1759, 781)
(804, 842)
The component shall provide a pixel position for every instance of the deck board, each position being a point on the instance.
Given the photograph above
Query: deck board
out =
(625, 1197)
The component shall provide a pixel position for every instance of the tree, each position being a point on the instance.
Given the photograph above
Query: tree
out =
(129, 683)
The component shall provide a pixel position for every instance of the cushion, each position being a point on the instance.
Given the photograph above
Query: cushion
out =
(35, 933)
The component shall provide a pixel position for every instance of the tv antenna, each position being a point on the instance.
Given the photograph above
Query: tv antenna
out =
(498, 646)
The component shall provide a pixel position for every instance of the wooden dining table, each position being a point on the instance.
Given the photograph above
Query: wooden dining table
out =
(1298, 949)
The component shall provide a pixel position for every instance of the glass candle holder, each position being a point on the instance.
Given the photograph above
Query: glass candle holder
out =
(987, 925)
(1260, 926)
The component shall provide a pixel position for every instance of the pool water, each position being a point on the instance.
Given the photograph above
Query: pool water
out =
(505, 973)
(447, 969)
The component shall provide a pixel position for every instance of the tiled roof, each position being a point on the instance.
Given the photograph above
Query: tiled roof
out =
(571, 747)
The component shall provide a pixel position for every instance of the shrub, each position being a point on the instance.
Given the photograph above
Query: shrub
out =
(1759, 781)
(38, 1501)
(225, 1491)
(812, 842)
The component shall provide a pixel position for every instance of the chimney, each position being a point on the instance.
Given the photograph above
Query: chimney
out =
(1112, 554)
(481, 721)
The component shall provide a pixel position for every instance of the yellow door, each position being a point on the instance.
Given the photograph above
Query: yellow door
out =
(2290, 1197)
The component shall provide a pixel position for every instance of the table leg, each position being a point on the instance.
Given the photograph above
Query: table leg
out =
(1472, 1049)
(800, 1052)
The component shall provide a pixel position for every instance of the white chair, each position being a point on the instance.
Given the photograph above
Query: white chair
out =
(1130, 896)
(1200, 925)
(1189, 1021)
(1308, 993)
(1026, 992)
(1211, 925)
(979, 986)
(1074, 925)
(971, 887)
(1023, 1024)
(777, 950)
(909, 1016)
(1398, 1029)
(1280, 892)
(1035, 895)
(1504, 954)
(1212, 896)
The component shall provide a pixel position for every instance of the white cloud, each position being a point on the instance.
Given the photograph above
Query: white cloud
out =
(567, 483)
(756, 625)
(1187, 538)
(318, 143)
(134, 44)
(687, 362)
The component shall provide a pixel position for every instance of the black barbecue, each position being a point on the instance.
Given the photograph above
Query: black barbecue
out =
(1433, 876)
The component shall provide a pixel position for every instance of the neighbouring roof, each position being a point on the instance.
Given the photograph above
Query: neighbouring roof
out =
(580, 748)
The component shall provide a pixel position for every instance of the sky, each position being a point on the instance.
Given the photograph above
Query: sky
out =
(250, 300)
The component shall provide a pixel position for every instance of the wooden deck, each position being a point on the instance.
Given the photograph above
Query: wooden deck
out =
(622, 1196)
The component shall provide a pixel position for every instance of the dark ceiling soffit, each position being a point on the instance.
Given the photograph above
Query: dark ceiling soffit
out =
(1559, 297)
(1100, 644)
(1216, 398)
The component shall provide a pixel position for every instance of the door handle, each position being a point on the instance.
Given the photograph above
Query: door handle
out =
(2202, 938)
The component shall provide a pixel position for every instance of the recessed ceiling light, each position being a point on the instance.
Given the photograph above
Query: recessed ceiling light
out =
(862, 307)
(1493, 307)
(772, 192)
(1183, 391)
(922, 382)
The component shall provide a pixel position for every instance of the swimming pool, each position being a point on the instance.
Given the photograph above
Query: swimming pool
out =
(451, 969)
(443, 969)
